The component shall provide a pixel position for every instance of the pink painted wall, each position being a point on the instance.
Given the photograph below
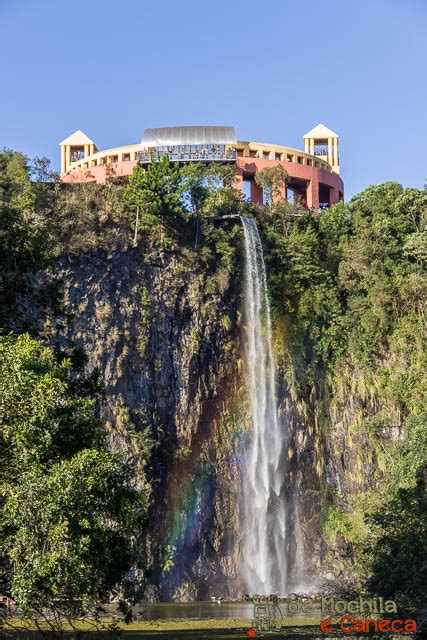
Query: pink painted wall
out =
(311, 175)
(245, 166)
(98, 174)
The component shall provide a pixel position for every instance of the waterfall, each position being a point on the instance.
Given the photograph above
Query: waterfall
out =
(263, 499)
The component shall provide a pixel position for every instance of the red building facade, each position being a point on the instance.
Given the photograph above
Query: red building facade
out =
(313, 174)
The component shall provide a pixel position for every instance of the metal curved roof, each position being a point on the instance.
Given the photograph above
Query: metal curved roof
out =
(174, 136)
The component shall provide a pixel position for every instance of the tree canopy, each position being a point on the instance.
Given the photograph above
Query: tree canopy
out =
(69, 515)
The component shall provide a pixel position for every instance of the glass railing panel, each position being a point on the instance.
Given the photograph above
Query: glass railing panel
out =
(188, 156)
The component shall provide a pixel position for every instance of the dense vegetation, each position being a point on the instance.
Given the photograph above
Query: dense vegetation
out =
(69, 514)
(347, 291)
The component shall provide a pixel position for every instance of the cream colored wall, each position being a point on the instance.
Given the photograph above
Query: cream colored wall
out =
(103, 157)
(244, 148)
(286, 153)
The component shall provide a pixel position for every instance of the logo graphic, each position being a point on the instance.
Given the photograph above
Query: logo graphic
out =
(325, 625)
(267, 613)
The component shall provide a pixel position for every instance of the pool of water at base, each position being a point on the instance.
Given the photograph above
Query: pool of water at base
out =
(207, 610)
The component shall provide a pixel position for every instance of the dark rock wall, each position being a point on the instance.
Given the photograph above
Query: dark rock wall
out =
(164, 334)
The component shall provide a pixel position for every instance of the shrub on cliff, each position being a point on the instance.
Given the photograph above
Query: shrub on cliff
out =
(394, 550)
(24, 229)
(154, 196)
(348, 294)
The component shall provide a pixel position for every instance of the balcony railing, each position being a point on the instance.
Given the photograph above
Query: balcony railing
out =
(321, 152)
(200, 155)
(76, 156)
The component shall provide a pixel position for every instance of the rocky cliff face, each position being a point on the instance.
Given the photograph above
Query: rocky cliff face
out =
(164, 336)
(163, 330)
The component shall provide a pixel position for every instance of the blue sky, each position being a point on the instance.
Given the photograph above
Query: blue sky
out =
(272, 69)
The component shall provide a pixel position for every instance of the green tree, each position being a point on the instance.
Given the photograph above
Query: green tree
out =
(66, 533)
(196, 186)
(41, 171)
(69, 516)
(133, 192)
(205, 184)
(273, 180)
(395, 548)
(24, 230)
(155, 197)
(44, 413)
(157, 191)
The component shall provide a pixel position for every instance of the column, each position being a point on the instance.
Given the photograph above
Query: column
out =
(63, 159)
(306, 145)
(336, 162)
(67, 157)
(282, 194)
(238, 181)
(313, 193)
(312, 146)
(330, 151)
(86, 151)
(334, 195)
(91, 149)
(256, 192)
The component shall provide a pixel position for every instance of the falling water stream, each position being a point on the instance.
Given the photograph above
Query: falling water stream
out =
(263, 499)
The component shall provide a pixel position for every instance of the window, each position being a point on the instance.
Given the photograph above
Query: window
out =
(278, 156)
(247, 188)
(266, 155)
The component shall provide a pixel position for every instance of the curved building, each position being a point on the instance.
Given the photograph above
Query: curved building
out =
(313, 173)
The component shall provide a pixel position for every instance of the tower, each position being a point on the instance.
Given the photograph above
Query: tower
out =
(75, 147)
(323, 142)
